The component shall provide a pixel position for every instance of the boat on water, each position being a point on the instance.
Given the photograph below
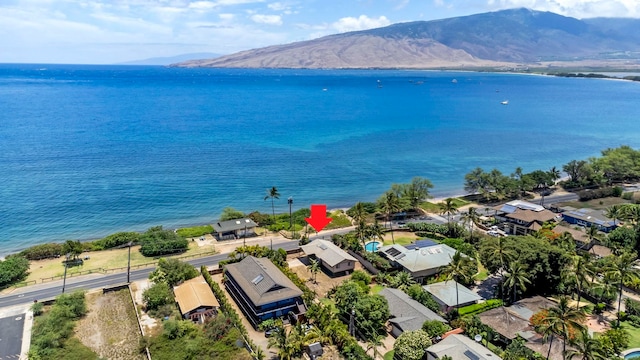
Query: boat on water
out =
(505, 102)
(455, 81)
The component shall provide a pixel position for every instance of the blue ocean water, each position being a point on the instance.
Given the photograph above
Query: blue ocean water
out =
(86, 151)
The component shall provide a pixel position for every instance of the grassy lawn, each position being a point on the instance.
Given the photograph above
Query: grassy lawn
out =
(435, 208)
(107, 259)
(482, 274)
(340, 220)
(401, 238)
(634, 334)
(598, 204)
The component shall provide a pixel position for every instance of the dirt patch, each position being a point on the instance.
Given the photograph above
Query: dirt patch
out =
(323, 282)
(110, 327)
(598, 324)
(148, 323)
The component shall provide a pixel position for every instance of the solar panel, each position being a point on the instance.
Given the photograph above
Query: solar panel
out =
(471, 355)
(400, 256)
(393, 251)
(257, 279)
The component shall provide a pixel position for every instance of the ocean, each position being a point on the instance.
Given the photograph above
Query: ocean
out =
(87, 151)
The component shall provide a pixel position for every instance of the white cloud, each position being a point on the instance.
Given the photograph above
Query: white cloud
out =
(202, 5)
(362, 22)
(278, 6)
(226, 16)
(267, 19)
(575, 8)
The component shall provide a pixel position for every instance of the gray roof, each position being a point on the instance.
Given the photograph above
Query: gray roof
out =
(233, 225)
(460, 347)
(419, 259)
(590, 215)
(262, 281)
(408, 314)
(445, 291)
(512, 206)
(327, 252)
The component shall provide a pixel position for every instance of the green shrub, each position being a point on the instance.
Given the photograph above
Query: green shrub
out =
(114, 240)
(157, 295)
(158, 242)
(12, 270)
(480, 307)
(359, 275)
(42, 251)
(627, 196)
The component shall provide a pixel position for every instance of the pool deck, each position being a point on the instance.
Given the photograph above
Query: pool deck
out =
(630, 351)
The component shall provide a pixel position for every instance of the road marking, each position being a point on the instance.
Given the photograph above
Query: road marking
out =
(18, 318)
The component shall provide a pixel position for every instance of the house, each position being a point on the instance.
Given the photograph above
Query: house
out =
(419, 262)
(262, 291)
(406, 313)
(460, 347)
(196, 300)
(333, 259)
(450, 294)
(581, 238)
(234, 229)
(513, 321)
(522, 217)
(588, 218)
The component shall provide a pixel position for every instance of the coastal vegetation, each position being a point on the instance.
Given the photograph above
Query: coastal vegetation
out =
(13, 269)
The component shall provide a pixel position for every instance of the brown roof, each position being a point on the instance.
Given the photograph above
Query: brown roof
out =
(193, 294)
(504, 323)
(577, 235)
(529, 215)
(600, 250)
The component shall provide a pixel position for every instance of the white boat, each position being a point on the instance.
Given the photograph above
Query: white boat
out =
(506, 102)
(455, 81)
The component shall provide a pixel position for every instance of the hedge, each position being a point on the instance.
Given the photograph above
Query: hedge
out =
(480, 307)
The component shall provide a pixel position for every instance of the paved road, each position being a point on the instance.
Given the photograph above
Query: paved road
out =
(38, 292)
(11, 336)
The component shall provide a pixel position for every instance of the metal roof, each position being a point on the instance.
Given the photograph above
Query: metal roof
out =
(419, 259)
(445, 291)
(460, 347)
(193, 294)
(327, 252)
(407, 313)
(262, 281)
(233, 225)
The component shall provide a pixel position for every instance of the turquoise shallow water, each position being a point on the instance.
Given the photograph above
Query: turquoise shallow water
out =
(90, 150)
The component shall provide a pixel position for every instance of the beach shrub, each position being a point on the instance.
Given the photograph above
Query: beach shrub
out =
(12, 270)
(230, 213)
(158, 242)
(42, 251)
(157, 295)
(369, 208)
(115, 240)
(172, 272)
(586, 195)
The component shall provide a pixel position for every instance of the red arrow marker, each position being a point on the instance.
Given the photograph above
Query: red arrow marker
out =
(318, 219)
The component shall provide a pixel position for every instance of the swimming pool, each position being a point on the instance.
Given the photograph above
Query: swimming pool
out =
(371, 246)
(631, 354)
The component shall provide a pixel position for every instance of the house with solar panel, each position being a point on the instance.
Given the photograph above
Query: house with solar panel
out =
(422, 259)
(588, 218)
(234, 229)
(333, 260)
(262, 291)
(520, 217)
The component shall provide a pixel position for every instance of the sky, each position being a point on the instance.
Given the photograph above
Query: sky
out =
(113, 31)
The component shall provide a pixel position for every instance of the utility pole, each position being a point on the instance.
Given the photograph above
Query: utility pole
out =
(271, 239)
(66, 264)
(351, 322)
(290, 201)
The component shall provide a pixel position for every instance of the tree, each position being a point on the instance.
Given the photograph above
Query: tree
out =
(157, 295)
(15, 268)
(346, 296)
(460, 268)
(419, 294)
(157, 242)
(517, 276)
(411, 345)
(389, 204)
(314, 268)
(620, 270)
(72, 248)
(562, 320)
(230, 213)
(448, 207)
(371, 315)
(471, 217)
(374, 343)
(586, 348)
(402, 280)
(416, 191)
(435, 328)
(623, 238)
(273, 194)
(615, 212)
(579, 272)
(173, 272)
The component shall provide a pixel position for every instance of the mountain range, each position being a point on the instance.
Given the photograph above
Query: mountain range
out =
(167, 60)
(507, 38)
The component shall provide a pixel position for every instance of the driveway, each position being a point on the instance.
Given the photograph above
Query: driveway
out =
(11, 336)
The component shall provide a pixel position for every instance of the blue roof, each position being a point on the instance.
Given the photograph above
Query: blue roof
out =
(419, 244)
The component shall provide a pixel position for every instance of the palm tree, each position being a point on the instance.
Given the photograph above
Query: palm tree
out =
(460, 268)
(517, 276)
(448, 207)
(273, 194)
(615, 212)
(561, 318)
(314, 268)
(471, 217)
(622, 270)
(375, 341)
(579, 271)
(586, 348)
(402, 280)
(390, 204)
(499, 250)
(555, 174)
(359, 217)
